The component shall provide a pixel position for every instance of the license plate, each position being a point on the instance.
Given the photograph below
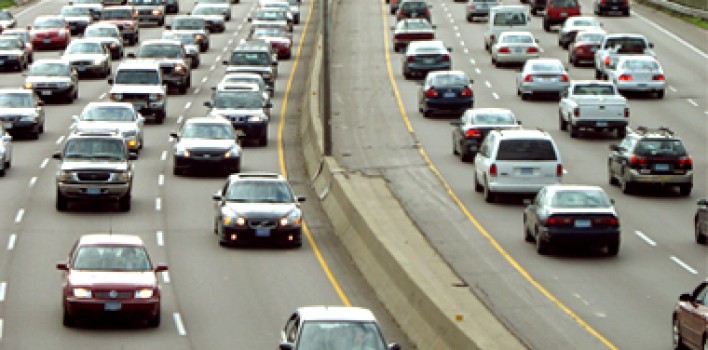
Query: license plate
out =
(262, 232)
(428, 61)
(518, 49)
(112, 306)
(526, 171)
(449, 94)
(615, 7)
(593, 49)
(582, 223)
(80, 68)
(661, 167)
(47, 41)
(563, 14)
(601, 124)
(7, 125)
(46, 93)
(642, 85)
(93, 190)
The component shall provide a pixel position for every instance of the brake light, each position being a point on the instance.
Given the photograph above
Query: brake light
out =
(410, 58)
(473, 134)
(431, 93)
(504, 50)
(609, 221)
(471, 7)
(603, 1)
(532, 49)
(466, 92)
(576, 112)
(528, 77)
(625, 77)
(658, 77)
(427, 12)
(493, 170)
(564, 77)
(626, 112)
(607, 60)
(686, 161)
(558, 220)
(637, 160)
(559, 170)
(446, 58)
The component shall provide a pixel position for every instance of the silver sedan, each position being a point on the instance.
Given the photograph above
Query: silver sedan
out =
(638, 74)
(514, 48)
(542, 76)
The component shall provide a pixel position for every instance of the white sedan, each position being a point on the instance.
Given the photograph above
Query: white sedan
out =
(514, 48)
(641, 74)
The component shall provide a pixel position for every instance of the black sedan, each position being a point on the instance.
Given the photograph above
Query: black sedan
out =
(572, 215)
(445, 92)
(206, 144)
(473, 127)
(426, 56)
(700, 221)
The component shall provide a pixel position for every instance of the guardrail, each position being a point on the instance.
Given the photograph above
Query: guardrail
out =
(682, 9)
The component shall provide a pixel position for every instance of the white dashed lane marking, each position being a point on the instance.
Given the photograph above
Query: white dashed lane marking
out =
(160, 180)
(11, 242)
(178, 323)
(60, 139)
(645, 238)
(159, 238)
(494, 94)
(20, 214)
(163, 156)
(3, 287)
(187, 105)
(692, 102)
(684, 265)
(32, 181)
(44, 163)
(158, 204)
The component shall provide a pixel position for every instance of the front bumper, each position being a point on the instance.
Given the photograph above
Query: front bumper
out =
(18, 126)
(8, 62)
(133, 308)
(50, 43)
(207, 163)
(77, 28)
(50, 92)
(100, 191)
(89, 69)
(279, 235)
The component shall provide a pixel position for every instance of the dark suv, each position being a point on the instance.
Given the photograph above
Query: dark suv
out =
(557, 11)
(95, 166)
(650, 157)
(413, 9)
(174, 63)
(255, 53)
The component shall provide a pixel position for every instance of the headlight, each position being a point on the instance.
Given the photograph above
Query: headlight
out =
(114, 45)
(233, 152)
(121, 177)
(294, 218)
(182, 152)
(144, 293)
(179, 68)
(235, 221)
(28, 85)
(64, 175)
(156, 12)
(98, 61)
(256, 118)
(156, 97)
(116, 97)
(81, 292)
(267, 75)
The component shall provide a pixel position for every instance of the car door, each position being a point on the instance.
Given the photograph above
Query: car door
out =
(482, 158)
(616, 162)
(694, 318)
(703, 217)
(459, 131)
(532, 211)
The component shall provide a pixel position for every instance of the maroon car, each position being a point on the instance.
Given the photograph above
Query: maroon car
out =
(689, 327)
(411, 29)
(582, 48)
(49, 32)
(279, 39)
(110, 275)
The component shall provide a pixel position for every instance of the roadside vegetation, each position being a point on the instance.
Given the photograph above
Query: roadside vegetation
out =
(690, 19)
(6, 3)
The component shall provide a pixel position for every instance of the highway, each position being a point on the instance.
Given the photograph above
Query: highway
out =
(569, 300)
(213, 297)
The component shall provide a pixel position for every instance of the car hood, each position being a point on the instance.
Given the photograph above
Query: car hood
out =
(44, 31)
(77, 19)
(125, 278)
(213, 18)
(136, 88)
(94, 165)
(146, 7)
(5, 22)
(265, 209)
(190, 143)
(83, 56)
(17, 111)
(104, 125)
(47, 79)
(12, 52)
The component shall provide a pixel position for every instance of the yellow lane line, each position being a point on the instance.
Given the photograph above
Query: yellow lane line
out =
(284, 170)
(461, 205)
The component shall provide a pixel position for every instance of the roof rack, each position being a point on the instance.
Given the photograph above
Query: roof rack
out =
(663, 130)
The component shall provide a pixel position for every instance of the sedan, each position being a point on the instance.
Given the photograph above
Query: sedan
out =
(12, 53)
(411, 29)
(237, 78)
(689, 325)
(514, 48)
(5, 150)
(575, 215)
(575, 24)
(426, 56)
(638, 73)
(53, 78)
(109, 35)
(223, 5)
(190, 41)
(247, 110)
(108, 275)
(49, 32)
(473, 127)
(21, 112)
(7, 20)
(213, 16)
(445, 92)
(279, 39)
(700, 221)
(194, 25)
(582, 48)
(78, 17)
(89, 57)
(119, 116)
(542, 76)
(206, 144)
(23, 34)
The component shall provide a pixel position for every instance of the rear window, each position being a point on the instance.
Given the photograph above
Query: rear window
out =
(664, 147)
(509, 18)
(564, 3)
(526, 150)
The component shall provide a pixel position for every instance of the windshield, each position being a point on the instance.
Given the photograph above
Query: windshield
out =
(138, 76)
(9, 44)
(208, 131)
(49, 69)
(207, 10)
(509, 19)
(269, 32)
(116, 14)
(184, 38)
(238, 99)
(526, 150)
(160, 50)
(147, 2)
(580, 199)
(48, 23)
(101, 32)
(652, 147)
(250, 58)
(340, 335)
(640, 65)
(91, 148)
(594, 90)
(112, 258)
(15, 100)
(75, 11)
(188, 23)
(259, 192)
(5, 15)
(270, 15)
(108, 114)
(78, 47)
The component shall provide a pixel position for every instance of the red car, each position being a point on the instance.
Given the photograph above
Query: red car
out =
(582, 48)
(689, 327)
(557, 11)
(49, 32)
(110, 275)
(278, 38)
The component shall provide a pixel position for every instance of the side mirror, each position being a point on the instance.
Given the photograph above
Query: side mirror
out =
(160, 268)
(110, 81)
(225, 62)
(274, 64)
(651, 45)
(62, 266)
(449, 49)
(300, 199)
(208, 104)
(249, 19)
(56, 155)
(435, 26)
(174, 134)
(471, 81)
(518, 122)
(685, 297)
(29, 27)
(7, 138)
(132, 156)
(268, 105)
(217, 196)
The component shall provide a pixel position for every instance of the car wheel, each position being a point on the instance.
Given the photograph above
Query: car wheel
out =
(454, 148)
(489, 195)
(524, 96)
(627, 186)
(2, 171)
(546, 26)
(676, 338)
(124, 203)
(573, 130)
(62, 203)
(542, 247)
(67, 320)
(613, 248)
(562, 124)
(700, 236)
(477, 186)
(465, 156)
(660, 94)
(534, 11)
(625, 13)
(470, 19)
(160, 117)
(528, 237)
(685, 190)
(154, 322)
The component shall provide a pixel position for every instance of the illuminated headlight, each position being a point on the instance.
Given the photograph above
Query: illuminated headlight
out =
(256, 118)
(235, 221)
(114, 45)
(64, 175)
(182, 152)
(81, 292)
(156, 97)
(116, 97)
(144, 293)
(28, 85)
(98, 61)
(156, 12)
(232, 153)
(28, 118)
(199, 37)
(180, 68)
(121, 177)
(293, 219)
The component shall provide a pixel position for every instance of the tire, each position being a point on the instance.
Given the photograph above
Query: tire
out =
(470, 19)
(598, 74)
(625, 13)
(67, 320)
(477, 186)
(2, 171)
(546, 26)
(62, 203)
(621, 132)
(534, 11)
(685, 190)
(124, 203)
(573, 131)
(489, 195)
(524, 96)
(542, 247)
(613, 248)
(700, 236)
(182, 89)
(154, 322)
(676, 338)
(562, 124)
(160, 117)
(177, 171)
(454, 149)
(660, 94)
(465, 157)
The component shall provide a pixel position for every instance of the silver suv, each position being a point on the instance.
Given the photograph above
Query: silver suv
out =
(140, 83)
(95, 166)
(150, 11)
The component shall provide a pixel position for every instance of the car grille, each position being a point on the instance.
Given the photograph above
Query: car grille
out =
(114, 294)
(81, 63)
(262, 223)
(93, 176)
(237, 118)
(166, 69)
(9, 118)
(134, 97)
(207, 153)
(46, 85)
(145, 12)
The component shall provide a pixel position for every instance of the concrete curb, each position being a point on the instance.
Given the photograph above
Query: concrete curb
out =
(433, 306)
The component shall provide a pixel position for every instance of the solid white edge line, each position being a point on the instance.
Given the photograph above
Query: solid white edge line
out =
(684, 265)
(3, 287)
(1, 326)
(645, 238)
(164, 155)
(178, 323)
(672, 35)
(158, 204)
(11, 242)
(159, 238)
(20, 214)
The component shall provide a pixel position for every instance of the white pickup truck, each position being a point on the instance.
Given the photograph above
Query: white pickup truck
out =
(615, 45)
(593, 105)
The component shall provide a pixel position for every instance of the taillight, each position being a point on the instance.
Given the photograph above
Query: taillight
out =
(431, 93)
(558, 220)
(504, 50)
(686, 161)
(559, 170)
(625, 77)
(528, 77)
(427, 12)
(607, 60)
(532, 49)
(564, 77)
(466, 92)
(493, 170)
(471, 7)
(473, 134)
(637, 160)
(576, 112)
(410, 58)
(626, 112)
(603, 1)
(606, 221)
(446, 58)
(658, 77)
(492, 37)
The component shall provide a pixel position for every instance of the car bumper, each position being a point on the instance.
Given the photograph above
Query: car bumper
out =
(613, 7)
(11, 63)
(94, 191)
(543, 88)
(526, 187)
(20, 126)
(599, 124)
(447, 105)
(580, 236)
(291, 235)
(149, 108)
(216, 27)
(515, 58)
(478, 13)
(84, 70)
(138, 308)
(175, 80)
(640, 87)
(49, 43)
(251, 130)
(668, 179)
(151, 19)
(424, 69)
(45, 93)
(77, 28)
(203, 163)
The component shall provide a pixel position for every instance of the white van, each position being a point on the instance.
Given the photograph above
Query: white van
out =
(504, 18)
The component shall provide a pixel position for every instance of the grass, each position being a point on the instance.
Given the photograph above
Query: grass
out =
(698, 4)
(690, 19)
(6, 3)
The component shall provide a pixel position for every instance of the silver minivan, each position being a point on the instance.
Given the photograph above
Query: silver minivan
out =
(480, 8)
(505, 18)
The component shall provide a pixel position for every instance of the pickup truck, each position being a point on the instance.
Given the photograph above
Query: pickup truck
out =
(593, 105)
(615, 45)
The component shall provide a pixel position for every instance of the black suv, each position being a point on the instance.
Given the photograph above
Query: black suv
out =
(247, 110)
(257, 207)
(172, 57)
(413, 9)
(255, 53)
(650, 157)
(95, 166)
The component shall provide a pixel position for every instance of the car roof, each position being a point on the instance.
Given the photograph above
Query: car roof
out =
(571, 187)
(523, 134)
(490, 110)
(256, 176)
(16, 90)
(503, 8)
(207, 120)
(517, 32)
(121, 7)
(138, 63)
(335, 313)
(51, 60)
(95, 104)
(110, 239)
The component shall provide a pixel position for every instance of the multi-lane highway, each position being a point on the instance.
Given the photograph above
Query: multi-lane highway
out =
(213, 297)
(570, 300)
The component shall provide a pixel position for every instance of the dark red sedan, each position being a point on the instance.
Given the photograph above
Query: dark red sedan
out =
(689, 327)
(411, 29)
(582, 49)
(49, 32)
(110, 275)
(279, 39)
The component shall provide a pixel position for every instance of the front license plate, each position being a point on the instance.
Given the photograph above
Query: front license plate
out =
(7, 125)
(47, 41)
(262, 232)
(582, 223)
(449, 95)
(615, 7)
(661, 167)
(526, 171)
(93, 190)
(112, 306)
(601, 124)
(46, 93)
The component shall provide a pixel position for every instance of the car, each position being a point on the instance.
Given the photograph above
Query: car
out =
(474, 125)
(238, 78)
(333, 327)
(49, 32)
(78, 17)
(537, 6)
(191, 44)
(150, 11)
(614, 46)
(283, 5)
(573, 25)
(505, 18)
(140, 83)
(279, 39)
(257, 207)
(254, 56)
(414, 9)
(700, 222)
(89, 57)
(53, 79)
(270, 17)
(110, 274)
(638, 74)
(514, 48)
(247, 110)
(295, 10)
(480, 8)
(516, 161)
(605, 7)
(7, 20)
(542, 76)
(572, 215)
(13, 54)
(21, 112)
(223, 5)
(192, 24)
(95, 5)
(445, 92)
(23, 34)
(688, 328)
(581, 50)
(95, 166)
(171, 6)
(558, 11)
(109, 35)
(425, 56)
(593, 105)
(119, 116)
(5, 150)
(173, 60)
(125, 18)
(411, 29)
(114, 3)
(650, 157)
(206, 144)
(213, 16)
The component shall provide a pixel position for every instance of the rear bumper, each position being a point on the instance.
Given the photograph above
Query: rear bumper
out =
(669, 180)
(580, 236)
